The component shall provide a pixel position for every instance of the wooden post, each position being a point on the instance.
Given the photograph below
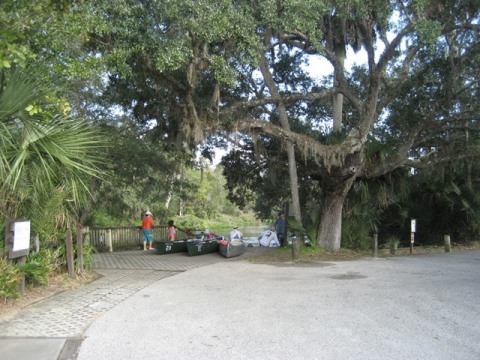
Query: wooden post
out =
(375, 245)
(297, 241)
(17, 254)
(80, 249)
(21, 281)
(295, 247)
(109, 240)
(412, 239)
(36, 242)
(446, 240)
(413, 230)
(69, 246)
(86, 231)
(392, 246)
(8, 239)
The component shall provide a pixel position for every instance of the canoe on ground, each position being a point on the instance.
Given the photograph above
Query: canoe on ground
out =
(169, 247)
(232, 248)
(202, 247)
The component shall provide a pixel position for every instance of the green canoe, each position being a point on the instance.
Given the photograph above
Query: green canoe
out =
(170, 247)
(202, 247)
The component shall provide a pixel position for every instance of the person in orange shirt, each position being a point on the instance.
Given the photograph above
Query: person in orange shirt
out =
(147, 224)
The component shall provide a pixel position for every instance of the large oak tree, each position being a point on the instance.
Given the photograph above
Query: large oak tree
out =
(189, 69)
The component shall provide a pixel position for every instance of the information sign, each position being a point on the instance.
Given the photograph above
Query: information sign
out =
(21, 235)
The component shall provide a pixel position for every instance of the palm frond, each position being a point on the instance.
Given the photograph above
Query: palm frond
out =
(43, 153)
(19, 91)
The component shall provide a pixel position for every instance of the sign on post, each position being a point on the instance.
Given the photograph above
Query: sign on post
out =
(18, 238)
(413, 229)
(17, 244)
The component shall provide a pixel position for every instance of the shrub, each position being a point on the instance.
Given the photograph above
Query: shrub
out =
(59, 257)
(87, 256)
(9, 279)
(38, 267)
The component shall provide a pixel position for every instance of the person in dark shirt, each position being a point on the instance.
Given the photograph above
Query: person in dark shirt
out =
(280, 227)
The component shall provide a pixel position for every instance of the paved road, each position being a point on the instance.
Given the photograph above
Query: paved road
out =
(410, 307)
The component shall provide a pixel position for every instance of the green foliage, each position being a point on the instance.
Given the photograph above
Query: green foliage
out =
(441, 203)
(165, 59)
(309, 228)
(23, 25)
(218, 222)
(357, 229)
(260, 178)
(38, 267)
(101, 217)
(392, 243)
(140, 173)
(294, 16)
(445, 208)
(87, 256)
(59, 257)
(359, 222)
(46, 159)
(9, 280)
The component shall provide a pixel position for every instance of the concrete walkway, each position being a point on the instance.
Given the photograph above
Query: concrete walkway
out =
(53, 328)
(410, 307)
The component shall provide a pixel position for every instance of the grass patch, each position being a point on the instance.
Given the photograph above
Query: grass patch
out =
(317, 254)
(307, 254)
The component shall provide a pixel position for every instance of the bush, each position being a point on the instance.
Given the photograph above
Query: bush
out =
(38, 267)
(87, 256)
(9, 279)
(59, 257)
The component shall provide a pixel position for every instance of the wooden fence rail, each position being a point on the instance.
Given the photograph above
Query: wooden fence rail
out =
(126, 236)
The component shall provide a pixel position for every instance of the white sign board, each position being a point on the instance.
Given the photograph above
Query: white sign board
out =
(21, 235)
(414, 225)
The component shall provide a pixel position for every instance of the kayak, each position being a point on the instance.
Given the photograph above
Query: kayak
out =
(232, 248)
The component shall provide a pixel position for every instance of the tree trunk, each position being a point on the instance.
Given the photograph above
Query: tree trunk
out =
(181, 202)
(168, 198)
(330, 228)
(283, 117)
(292, 170)
(467, 163)
(337, 112)
(292, 163)
(337, 105)
(170, 183)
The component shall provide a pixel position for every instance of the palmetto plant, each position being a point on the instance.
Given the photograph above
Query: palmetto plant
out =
(46, 158)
